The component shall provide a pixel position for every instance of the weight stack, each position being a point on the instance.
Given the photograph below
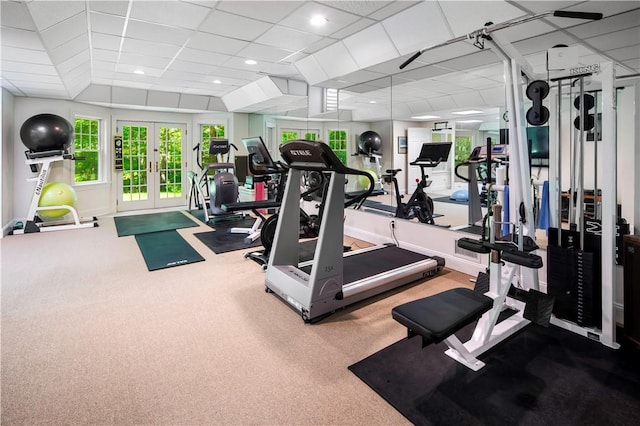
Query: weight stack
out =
(574, 279)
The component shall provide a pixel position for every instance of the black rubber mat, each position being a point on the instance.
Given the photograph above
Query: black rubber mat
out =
(154, 222)
(541, 376)
(166, 249)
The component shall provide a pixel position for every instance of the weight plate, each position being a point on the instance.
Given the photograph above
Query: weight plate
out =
(537, 88)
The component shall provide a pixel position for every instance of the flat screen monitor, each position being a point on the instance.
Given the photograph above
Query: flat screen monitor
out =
(218, 146)
(258, 152)
(435, 151)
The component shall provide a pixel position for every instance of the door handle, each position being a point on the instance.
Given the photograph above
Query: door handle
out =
(150, 167)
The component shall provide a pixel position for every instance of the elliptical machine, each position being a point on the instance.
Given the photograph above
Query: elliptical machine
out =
(218, 185)
(420, 205)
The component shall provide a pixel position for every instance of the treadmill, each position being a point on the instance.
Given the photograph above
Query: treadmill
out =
(333, 279)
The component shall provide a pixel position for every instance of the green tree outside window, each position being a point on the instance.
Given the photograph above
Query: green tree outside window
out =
(338, 143)
(86, 145)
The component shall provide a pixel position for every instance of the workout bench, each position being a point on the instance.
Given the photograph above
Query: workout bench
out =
(437, 318)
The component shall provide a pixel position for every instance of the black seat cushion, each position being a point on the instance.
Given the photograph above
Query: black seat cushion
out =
(437, 317)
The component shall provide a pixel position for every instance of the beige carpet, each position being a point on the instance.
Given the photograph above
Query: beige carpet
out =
(89, 336)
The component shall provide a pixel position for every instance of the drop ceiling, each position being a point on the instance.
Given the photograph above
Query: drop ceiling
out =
(192, 53)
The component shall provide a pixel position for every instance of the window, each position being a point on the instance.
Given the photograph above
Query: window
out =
(338, 143)
(287, 135)
(86, 145)
(207, 132)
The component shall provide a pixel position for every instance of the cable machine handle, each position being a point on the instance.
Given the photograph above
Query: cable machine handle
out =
(577, 15)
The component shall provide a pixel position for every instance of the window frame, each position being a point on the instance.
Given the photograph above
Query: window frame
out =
(101, 177)
(345, 141)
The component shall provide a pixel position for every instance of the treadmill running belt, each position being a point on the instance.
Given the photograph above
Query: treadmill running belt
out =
(370, 263)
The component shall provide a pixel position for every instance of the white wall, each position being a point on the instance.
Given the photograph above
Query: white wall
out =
(7, 161)
(93, 199)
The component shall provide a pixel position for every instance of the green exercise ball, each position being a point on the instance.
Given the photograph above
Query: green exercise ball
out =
(364, 182)
(56, 194)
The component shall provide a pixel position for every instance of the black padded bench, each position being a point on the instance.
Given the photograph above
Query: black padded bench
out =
(439, 316)
(508, 253)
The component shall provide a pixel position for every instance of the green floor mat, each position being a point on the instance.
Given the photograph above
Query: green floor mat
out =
(154, 222)
(166, 249)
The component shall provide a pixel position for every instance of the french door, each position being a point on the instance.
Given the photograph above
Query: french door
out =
(153, 174)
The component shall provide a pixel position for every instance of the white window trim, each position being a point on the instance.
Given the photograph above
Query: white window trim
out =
(103, 151)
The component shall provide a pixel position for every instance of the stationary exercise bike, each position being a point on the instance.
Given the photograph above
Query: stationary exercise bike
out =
(420, 205)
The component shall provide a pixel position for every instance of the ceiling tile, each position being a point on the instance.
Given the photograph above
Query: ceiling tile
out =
(464, 17)
(104, 55)
(25, 55)
(65, 31)
(311, 69)
(16, 15)
(234, 26)
(362, 8)
(106, 24)
(442, 102)
(144, 61)
(319, 45)
(393, 8)
(128, 71)
(17, 77)
(109, 6)
(203, 57)
(105, 41)
(606, 25)
(336, 19)
(215, 43)
(287, 38)
(270, 11)
(624, 38)
(28, 68)
(418, 27)
(192, 67)
(48, 13)
(371, 46)
(282, 70)
(158, 49)
(103, 66)
(625, 53)
(173, 13)
(336, 60)
(21, 38)
(70, 49)
(157, 33)
(81, 58)
(350, 29)
(261, 52)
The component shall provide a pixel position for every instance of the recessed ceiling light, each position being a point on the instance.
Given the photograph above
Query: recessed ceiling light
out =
(425, 117)
(469, 121)
(468, 112)
(372, 102)
(250, 62)
(140, 72)
(318, 20)
(217, 82)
